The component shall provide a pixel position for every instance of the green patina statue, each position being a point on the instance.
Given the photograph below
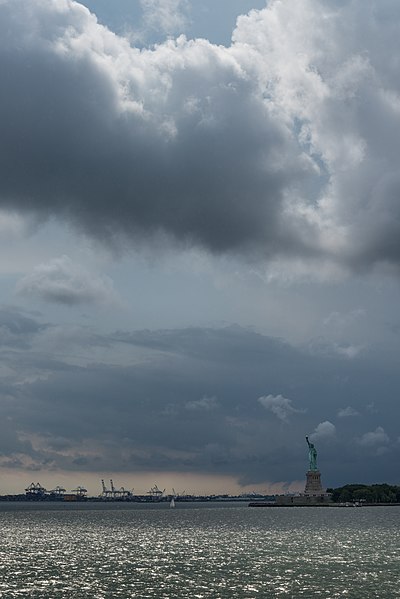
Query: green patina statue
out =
(312, 456)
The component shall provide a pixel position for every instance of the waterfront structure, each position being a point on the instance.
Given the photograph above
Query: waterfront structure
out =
(35, 491)
(314, 493)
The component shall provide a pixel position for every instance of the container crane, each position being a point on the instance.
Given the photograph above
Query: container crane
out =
(106, 493)
(114, 492)
(125, 493)
(156, 493)
(79, 491)
(36, 490)
(120, 493)
(58, 491)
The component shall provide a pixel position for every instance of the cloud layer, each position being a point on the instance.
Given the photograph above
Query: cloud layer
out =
(64, 282)
(284, 144)
(186, 400)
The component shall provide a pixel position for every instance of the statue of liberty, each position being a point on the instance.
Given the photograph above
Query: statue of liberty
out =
(312, 456)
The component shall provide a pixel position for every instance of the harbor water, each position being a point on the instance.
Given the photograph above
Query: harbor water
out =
(197, 551)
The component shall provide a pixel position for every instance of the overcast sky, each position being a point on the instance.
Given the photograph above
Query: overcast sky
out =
(200, 243)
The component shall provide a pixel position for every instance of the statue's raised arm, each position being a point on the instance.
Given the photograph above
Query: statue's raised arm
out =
(312, 455)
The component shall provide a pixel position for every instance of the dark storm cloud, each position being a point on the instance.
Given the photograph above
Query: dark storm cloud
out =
(197, 401)
(283, 144)
(123, 141)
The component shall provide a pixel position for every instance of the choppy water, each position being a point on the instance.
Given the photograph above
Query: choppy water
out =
(212, 551)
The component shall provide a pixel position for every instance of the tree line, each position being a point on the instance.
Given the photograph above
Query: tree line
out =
(383, 493)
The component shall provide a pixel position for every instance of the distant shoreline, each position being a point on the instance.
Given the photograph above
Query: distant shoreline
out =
(330, 504)
(134, 499)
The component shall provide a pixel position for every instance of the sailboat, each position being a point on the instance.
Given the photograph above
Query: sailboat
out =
(172, 503)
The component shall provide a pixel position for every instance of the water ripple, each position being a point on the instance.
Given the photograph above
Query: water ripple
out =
(221, 553)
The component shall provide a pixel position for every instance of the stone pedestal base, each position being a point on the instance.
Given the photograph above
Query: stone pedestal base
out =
(313, 483)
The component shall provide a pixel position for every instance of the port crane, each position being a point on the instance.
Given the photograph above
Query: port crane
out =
(79, 491)
(113, 492)
(106, 492)
(58, 491)
(113, 489)
(124, 493)
(156, 493)
(35, 489)
(120, 493)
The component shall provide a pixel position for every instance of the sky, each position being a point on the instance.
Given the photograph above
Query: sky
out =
(200, 243)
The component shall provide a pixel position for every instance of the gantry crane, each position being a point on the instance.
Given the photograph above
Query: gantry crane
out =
(106, 492)
(79, 491)
(35, 489)
(156, 493)
(58, 491)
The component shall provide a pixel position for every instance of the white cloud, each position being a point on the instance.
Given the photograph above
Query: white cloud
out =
(13, 225)
(331, 70)
(324, 430)
(64, 282)
(348, 351)
(374, 438)
(322, 345)
(347, 412)
(337, 320)
(280, 406)
(204, 404)
(283, 145)
(169, 16)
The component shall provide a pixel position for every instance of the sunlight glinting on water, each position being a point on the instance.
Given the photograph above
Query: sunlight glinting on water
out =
(218, 553)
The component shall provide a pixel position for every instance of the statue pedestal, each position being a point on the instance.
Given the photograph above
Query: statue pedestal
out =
(313, 483)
